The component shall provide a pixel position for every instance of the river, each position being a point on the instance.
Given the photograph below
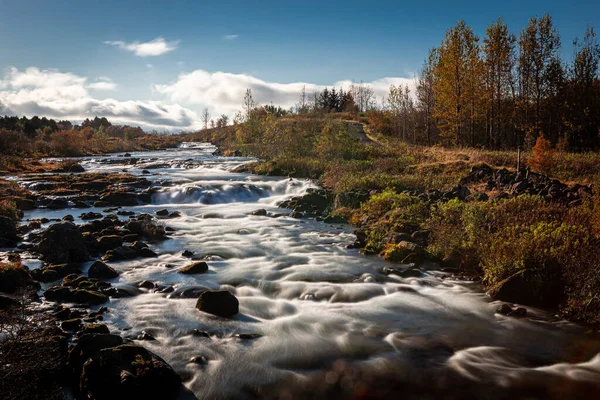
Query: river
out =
(316, 317)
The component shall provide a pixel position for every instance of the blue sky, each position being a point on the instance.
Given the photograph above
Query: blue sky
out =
(263, 43)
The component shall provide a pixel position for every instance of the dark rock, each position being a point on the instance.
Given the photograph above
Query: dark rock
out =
(68, 217)
(57, 204)
(90, 216)
(147, 253)
(8, 232)
(145, 336)
(162, 213)
(187, 253)
(135, 227)
(71, 324)
(147, 285)
(131, 237)
(218, 302)
(102, 271)
(89, 297)
(63, 243)
(525, 287)
(128, 372)
(120, 199)
(504, 309)
(195, 268)
(260, 212)
(109, 242)
(8, 302)
(24, 204)
(53, 272)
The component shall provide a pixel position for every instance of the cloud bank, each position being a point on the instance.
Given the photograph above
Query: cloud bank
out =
(59, 95)
(223, 92)
(154, 47)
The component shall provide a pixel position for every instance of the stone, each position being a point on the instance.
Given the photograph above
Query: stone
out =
(109, 242)
(195, 268)
(504, 309)
(162, 213)
(218, 302)
(135, 227)
(102, 271)
(71, 324)
(94, 328)
(260, 212)
(128, 372)
(63, 243)
(147, 253)
(8, 232)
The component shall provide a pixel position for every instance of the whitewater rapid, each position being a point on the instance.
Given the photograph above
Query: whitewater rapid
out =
(312, 312)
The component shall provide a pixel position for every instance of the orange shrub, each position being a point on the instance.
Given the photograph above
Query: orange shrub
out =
(543, 156)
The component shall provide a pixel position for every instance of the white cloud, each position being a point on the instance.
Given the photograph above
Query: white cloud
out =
(103, 83)
(154, 47)
(58, 95)
(149, 66)
(224, 92)
(230, 37)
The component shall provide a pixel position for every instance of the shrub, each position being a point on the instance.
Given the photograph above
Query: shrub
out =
(9, 209)
(543, 156)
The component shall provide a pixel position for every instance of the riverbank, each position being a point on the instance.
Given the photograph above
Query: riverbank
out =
(519, 231)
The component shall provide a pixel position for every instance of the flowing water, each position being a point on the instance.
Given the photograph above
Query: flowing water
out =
(316, 317)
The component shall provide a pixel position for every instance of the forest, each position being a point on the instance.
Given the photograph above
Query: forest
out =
(499, 91)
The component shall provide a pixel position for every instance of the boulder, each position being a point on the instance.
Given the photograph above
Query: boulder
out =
(527, 287)
(89, 297)
(120, 199)
(71, 324)
(218, 302)
(8, 232)
(53, 272)
(128, 372)
(260, 212)
(57, 204)
(14, 276)
(135, 227)
(195, 268)
(109, 242)
(162, 213)
(102, 271)
(63, 243)
(95, 328)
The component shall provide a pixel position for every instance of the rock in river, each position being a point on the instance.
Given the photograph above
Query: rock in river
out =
(195, 268)
(218, 302)
(63, 243)
(102, 271)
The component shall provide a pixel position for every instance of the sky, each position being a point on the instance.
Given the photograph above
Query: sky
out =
(158, 63)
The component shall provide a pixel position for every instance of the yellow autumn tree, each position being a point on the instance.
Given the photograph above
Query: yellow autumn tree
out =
(458, 86)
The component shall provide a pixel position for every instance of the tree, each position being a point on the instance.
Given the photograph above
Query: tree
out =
(205, 117)
(223, 121)
(499, 64)
(249, 104)
(363, 95)
(584, 93)
(425, 92)
(457, 84)
(395, 100)
(539, 47)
